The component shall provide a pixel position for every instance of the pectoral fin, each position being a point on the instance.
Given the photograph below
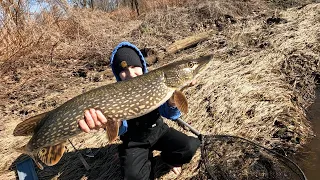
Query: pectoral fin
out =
(27, 127)
(181, 101)
(112, 129)
(51, 155)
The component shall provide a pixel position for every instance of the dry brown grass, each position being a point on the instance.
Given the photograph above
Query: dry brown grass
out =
(259, 86)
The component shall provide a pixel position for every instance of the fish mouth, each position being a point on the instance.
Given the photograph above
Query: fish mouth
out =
(203, 63)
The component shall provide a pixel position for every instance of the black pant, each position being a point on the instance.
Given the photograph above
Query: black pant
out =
(176, 149)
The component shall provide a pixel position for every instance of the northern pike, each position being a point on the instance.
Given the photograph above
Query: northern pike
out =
(118, 101)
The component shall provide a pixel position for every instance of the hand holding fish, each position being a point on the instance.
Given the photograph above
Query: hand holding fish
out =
(93, 119)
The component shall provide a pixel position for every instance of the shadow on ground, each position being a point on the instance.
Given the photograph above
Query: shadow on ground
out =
(104, 164)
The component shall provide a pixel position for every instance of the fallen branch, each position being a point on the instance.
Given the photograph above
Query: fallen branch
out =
(188, 42)
(180, 45)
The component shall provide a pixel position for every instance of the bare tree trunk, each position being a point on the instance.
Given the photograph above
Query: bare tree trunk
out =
(17, 13)
(91, 4)
(137, 6)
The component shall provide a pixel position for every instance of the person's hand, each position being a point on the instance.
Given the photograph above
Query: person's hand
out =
(171, 100)
(93, 119)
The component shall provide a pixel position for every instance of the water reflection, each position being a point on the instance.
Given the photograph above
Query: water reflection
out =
(310, 160)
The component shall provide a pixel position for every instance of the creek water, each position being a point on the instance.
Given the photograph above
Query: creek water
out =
(309, 159)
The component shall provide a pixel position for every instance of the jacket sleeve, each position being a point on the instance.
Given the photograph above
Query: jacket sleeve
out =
(123, 128)
(169, 112)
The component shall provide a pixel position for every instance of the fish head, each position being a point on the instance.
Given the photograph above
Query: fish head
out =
(179, 74)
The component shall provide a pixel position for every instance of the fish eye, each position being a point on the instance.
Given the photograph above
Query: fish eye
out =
(190, 64)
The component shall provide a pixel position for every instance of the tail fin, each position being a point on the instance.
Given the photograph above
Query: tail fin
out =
(24, 151)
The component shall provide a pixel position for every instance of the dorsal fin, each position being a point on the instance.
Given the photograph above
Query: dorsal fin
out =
(51, 155)
(27, 127)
